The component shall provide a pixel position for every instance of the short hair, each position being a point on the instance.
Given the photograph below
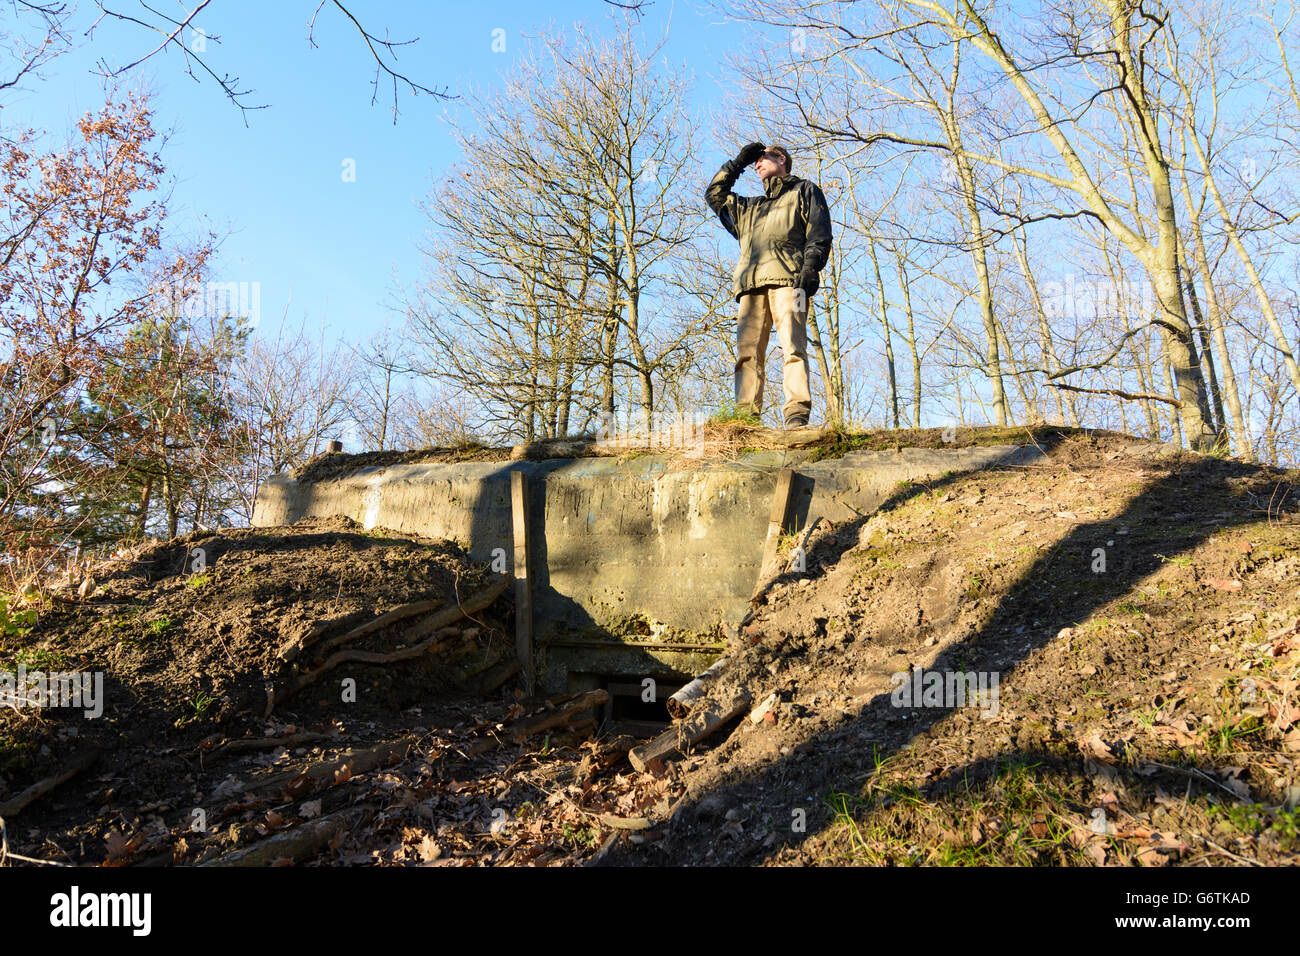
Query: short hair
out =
(785, 154)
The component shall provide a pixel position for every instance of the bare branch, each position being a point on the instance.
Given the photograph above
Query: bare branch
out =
(1118, 393)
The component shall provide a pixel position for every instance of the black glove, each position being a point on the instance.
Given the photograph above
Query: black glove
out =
(749, 155)
(808, 280)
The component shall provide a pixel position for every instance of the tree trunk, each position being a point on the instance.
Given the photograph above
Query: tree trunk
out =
(979, 256)
(1064, 399)
(1248, 263)
(815, 339)
(1160, 260)
(885, 331)
(905, 285)
(145, 494)
(1026, 400)
(1142, 364)
(1215, 315)
(170, 495)
(1166, 364)
(1207, 356)
(1180, 349)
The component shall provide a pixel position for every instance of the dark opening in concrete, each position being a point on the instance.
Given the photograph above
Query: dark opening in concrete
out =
(629, 711)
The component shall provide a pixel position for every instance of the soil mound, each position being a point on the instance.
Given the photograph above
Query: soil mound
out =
(1088, 660)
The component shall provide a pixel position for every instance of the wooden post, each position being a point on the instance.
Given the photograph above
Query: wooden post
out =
(775, 525)
(523, 586)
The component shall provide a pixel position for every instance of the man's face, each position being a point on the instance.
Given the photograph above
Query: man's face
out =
(770, 164)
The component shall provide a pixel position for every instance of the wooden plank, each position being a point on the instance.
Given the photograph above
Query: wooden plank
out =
(523, 584)
(562, 716)
(775, 526)
(300, 780)
(523, 729)
(704, 720)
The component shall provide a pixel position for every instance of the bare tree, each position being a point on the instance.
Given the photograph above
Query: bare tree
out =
(1073, 57)
(565, 229)
(293, 394)
(377, 397)
(1197, 78)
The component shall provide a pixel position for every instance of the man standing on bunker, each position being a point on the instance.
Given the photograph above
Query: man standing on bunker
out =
(785, 239)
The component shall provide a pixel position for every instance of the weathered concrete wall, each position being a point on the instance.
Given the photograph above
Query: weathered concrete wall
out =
(641, 564)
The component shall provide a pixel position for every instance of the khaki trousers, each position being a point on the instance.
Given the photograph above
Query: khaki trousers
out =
(760, 309)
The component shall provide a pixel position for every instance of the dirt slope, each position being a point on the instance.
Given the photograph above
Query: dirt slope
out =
(1140, 614)
(1138, 610)
(417, 765)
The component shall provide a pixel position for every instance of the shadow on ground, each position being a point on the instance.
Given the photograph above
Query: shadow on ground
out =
(1173, 514)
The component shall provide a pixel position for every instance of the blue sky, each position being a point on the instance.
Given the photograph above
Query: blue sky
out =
(325, 248)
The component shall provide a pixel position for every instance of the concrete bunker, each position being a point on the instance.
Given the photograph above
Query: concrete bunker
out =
(641, 566)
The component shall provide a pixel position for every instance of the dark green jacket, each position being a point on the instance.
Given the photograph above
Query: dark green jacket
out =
(779, 233)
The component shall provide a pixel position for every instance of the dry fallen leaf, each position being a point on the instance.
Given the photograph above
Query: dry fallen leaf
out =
(1225, 584)
(1238, 786)
(1150, 856)
(298, 785)
(1093, 746)
(1177, 732)
(1283, 717)
(1165, 842)
(309, 809)
(119, 846)
(429, 849)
